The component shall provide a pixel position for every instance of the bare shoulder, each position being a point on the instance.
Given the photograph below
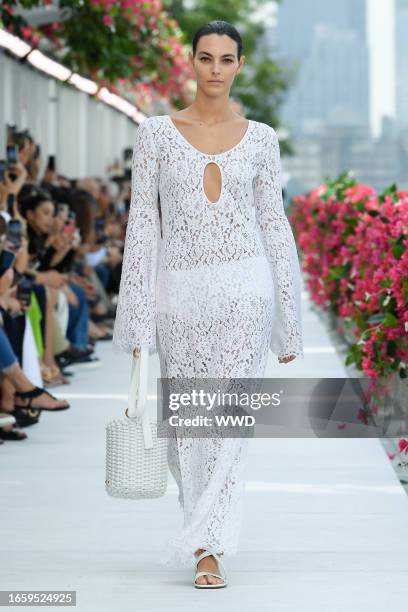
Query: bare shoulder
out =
(240, 120)
(180, 115)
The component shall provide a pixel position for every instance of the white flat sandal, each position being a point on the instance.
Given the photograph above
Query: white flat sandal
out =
(207, 553)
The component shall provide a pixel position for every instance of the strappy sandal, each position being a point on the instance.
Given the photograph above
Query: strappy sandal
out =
(12, 434)
(57, 373)
(106, 336)
(35, 393)
(223, 575)
(53, 377)
(25, 417)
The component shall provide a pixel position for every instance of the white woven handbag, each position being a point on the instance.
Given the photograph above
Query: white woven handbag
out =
(136, 458)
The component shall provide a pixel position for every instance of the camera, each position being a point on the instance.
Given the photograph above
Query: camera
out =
(24, 289)
(14, 233)
(12, 154)
(3, 167)
(6, 260)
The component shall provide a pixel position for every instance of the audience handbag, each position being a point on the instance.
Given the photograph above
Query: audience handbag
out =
(136, 457)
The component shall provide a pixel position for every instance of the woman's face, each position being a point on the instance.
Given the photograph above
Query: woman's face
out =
(41, 219)
(216, 59)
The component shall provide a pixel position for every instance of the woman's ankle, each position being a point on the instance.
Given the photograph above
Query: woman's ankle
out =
(200, 550)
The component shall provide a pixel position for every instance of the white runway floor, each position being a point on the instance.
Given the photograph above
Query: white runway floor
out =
(325, 526)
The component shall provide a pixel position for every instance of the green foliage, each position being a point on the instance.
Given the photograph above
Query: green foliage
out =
(336, 188)
(106, 43)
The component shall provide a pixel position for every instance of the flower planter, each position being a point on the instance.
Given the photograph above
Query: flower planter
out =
(394, 406)
(354, 250)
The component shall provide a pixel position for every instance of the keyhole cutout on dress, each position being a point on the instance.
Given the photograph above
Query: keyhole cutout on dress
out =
(212, 180)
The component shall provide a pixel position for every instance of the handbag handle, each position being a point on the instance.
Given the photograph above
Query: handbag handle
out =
(138, 393)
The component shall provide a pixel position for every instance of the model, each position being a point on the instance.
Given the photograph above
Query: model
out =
(210, 278)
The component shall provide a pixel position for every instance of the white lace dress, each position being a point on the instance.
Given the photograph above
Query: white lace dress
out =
(211, 287)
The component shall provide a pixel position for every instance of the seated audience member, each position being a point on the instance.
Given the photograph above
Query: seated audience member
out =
(52, 251)
(17, 392)
(62, 240)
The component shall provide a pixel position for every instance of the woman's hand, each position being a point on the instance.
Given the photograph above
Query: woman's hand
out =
(84, 283)
(13, 306)
(71, 295)
(6, 280)
(53, 278)
(49, 176)
(22, 257)
(3, 195)
(60, 241)
(286, 359)
(11, 303)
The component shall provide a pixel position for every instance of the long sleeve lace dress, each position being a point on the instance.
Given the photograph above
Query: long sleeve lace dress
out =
(210, 286)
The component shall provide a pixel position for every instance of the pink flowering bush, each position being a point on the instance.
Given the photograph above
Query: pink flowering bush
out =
(127, 45)
(354, 246)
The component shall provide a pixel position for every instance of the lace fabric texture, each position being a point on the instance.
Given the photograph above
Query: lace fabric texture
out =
(211, 287)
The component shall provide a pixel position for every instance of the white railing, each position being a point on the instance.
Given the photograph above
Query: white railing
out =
(84, 133)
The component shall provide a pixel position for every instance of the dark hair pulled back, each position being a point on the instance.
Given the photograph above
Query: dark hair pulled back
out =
(32, 197)
(218, 27)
